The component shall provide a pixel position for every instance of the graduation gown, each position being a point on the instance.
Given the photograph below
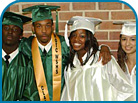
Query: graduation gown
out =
(47, 61)
(132, 78)
(95, 82)
(18, 79)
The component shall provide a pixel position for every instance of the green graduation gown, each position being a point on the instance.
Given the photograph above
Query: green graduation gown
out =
(47, 61)
(18, 80)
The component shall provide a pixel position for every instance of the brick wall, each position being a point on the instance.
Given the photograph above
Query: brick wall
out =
(106, 32)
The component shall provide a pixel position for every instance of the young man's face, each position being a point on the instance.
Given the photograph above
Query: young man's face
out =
(11, 35)
(43, 30)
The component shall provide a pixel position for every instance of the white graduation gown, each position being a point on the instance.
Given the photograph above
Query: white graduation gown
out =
(96, 82)
(132, 78)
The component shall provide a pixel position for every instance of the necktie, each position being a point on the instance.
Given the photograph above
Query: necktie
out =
(7, 57)
(44, 52)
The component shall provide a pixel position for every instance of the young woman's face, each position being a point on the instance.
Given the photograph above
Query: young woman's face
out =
(128, 44)
(78, 39)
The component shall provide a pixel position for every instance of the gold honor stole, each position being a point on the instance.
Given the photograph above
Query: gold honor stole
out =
(56, 69)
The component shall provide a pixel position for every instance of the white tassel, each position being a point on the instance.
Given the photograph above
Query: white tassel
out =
(66, 34)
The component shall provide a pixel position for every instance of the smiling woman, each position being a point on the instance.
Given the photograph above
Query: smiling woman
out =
(78, 39)
(86, 79)
(128, 44)
(127, 53)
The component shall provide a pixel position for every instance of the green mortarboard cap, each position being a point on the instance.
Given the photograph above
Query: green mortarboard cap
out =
(42, 12)
(11, 18)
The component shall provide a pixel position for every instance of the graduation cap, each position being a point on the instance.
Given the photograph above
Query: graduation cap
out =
(11, 18)
(79, 22)
(128, 28)
(42, 12)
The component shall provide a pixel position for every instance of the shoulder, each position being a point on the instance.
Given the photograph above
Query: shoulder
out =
(25, 45)
(61, 38)
(22, 57)
(26, 40)
(64, 46)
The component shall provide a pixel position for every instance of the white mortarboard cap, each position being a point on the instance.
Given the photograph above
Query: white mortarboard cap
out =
(79, 22)
(128, 28)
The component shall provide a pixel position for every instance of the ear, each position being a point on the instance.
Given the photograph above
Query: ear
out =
(53, 27)
(21, 36)
(33, 30)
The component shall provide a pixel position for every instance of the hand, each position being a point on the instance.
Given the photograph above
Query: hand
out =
(105, 54)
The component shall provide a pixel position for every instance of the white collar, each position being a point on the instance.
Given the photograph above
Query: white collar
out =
(76, 60)
(133, 70)
(47, 47)
(12, 55)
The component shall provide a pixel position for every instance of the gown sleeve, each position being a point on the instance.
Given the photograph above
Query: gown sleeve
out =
(119, 80)
(30, 91)
(96, 83)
